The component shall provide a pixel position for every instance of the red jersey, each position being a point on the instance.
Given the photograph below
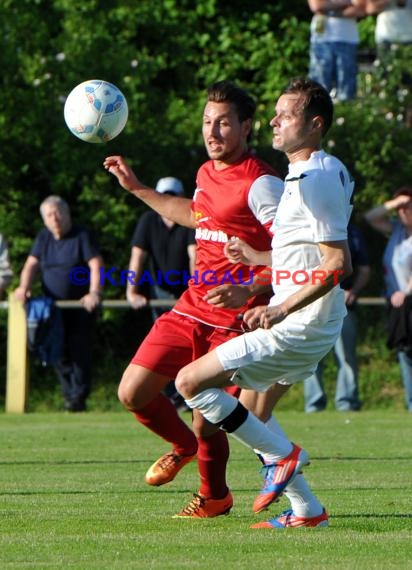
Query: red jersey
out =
(239, 202)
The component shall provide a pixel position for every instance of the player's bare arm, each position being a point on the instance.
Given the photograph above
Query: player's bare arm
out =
(92, 299)
(29, 271)
(235, 296)
(175, 208)
(336, 265)
(379, 217)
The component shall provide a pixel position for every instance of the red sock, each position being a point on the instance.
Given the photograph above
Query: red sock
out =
(161, 417)
(233, 391)
(212, 458)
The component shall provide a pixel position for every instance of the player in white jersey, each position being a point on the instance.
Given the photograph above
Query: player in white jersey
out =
(289, 337)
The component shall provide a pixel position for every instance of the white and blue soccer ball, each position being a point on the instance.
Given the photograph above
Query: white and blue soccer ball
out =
(96, 111)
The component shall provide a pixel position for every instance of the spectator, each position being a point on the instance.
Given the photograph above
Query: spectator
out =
(59, 248)
(393, 38)
(334, 39)
(5, 270)
(393, 25)
(347, 392)
(171, 251)
(397, 265)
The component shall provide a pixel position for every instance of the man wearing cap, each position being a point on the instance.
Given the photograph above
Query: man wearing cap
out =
(169, 248)
(168, 251)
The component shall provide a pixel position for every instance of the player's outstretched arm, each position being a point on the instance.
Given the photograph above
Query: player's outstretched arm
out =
(173, 207)
(117, 166)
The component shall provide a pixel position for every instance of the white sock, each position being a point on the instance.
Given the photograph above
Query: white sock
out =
(302, 500)
(216, 405)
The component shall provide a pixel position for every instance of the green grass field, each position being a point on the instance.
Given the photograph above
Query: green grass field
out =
(73, 496)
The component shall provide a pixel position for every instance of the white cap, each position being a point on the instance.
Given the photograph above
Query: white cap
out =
(169, 184)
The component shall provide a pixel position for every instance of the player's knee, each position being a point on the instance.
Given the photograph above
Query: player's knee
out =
(124, 394)
(127, 392)
(184, 383)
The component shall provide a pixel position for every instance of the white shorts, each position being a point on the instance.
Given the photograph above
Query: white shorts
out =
(287, 353)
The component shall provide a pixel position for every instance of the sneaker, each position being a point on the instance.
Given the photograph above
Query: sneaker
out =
(277, 477)
(202, 508)
(166, 468)
(289, 519)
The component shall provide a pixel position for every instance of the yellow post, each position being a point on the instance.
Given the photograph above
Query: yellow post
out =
(17, 363)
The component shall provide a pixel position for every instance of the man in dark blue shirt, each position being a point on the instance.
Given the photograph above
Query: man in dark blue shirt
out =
(69, 262)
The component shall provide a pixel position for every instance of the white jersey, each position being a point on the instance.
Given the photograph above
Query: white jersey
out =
(315, 207)
(394, 24)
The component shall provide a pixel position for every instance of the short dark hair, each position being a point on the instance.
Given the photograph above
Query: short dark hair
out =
(316, 100)
(227, 92)
(403, 191)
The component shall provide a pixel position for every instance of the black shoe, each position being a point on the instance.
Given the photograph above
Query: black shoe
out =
(75, 405)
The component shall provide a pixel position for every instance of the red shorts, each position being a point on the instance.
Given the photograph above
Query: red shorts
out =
(176, 340)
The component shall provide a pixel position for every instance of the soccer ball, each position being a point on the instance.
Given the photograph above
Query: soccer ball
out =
(96, 111)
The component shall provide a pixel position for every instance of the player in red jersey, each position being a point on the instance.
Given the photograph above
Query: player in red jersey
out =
(236, 198)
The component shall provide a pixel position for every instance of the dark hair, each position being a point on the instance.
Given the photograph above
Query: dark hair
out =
(403, 191)
(227, 92)
(316, 100)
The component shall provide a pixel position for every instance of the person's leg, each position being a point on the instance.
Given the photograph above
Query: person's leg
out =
(166, 348)
(200, 384)
(405, 362)
(262, 403)
(74, 369)
(303, 502)
(170, 388)
(314, 392)
(321, 64)
(213, 497)
(346, 70)
(347, 396)
(261, 358)
(64, 370)
(80, 344)
(139, 392)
